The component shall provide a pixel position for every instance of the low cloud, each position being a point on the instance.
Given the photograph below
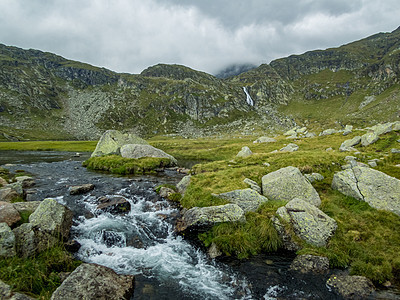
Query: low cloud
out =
(130, 35)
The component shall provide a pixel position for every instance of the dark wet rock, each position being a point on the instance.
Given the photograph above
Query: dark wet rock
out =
(166, 192)
(81, 189)
(247, 199)
(310, 264)
(72, 246)
(9, 214)
(351, 287)
(288, 183)
(112, 141)
(208, 216)
(90, 281)
(116, 205)
(379, 190)
(7, 242)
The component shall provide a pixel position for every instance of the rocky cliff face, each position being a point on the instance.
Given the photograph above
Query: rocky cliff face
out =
(43, 95)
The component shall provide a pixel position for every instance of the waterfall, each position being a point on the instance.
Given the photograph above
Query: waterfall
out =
(248, 97)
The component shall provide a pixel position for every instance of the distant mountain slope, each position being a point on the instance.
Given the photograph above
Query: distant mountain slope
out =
(45, 96)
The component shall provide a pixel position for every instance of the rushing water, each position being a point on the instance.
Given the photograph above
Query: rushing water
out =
(143, 242)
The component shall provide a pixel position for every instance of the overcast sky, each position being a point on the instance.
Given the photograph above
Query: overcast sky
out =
(207, 35)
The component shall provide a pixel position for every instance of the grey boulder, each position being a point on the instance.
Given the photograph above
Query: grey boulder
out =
(310, 264)
(290, 148)
(245, 152)
(288, 183)
(265, 139)
(7, 241)
(183, 184)
(369, 138)
(351, 287)
(379, 190)
(112, 140)
(90, 281)
(253, 185)
(139, 150)
(348, 145)
(211, 215)
(247, 199)
(308, 223)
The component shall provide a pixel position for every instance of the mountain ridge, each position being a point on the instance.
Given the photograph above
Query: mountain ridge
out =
(44, 96)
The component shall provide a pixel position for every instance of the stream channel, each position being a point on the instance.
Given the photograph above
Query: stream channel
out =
(143, 242)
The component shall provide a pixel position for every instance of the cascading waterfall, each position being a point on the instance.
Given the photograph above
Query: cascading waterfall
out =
(249, 100)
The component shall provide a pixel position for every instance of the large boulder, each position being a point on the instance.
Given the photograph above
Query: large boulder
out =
(26, 207)
(7, 241)
(245, 152)
(288, 183)
(90, 281)
(382, 128)
(9, 214)
(351, 287)
(112, 140)
(247, 199)
(138, 151)
(208, 216)
(52, 218)
(379, 190)
(348, 145)
(265, 139)
(307, 221)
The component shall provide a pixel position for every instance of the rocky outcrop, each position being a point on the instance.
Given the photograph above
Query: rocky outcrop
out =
(288, 183)
(139, 151)
(310, 264)
(112, 141)
(308, 223)
(211, 215)
(247, 199)
(245, 152)
(81, 189)
(9, 214)
(379, 190)
(369, 138)
(26, 207)
(351, 287)
(90, 281)
(7, 241)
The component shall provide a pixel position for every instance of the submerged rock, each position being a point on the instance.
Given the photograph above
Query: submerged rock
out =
(310, 264)
(288, 183)
(81, 189)
(208, 216)
(247, 199)
(139, 150)
(308, 222)
(90, 281)
(351, 287)
(116, 205)
(112, 140)
(379, 190)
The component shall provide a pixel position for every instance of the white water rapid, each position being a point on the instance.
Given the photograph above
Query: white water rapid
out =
(143, 242)
(249, 100)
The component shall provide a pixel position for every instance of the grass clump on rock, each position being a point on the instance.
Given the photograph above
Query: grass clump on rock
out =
(125, 166)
